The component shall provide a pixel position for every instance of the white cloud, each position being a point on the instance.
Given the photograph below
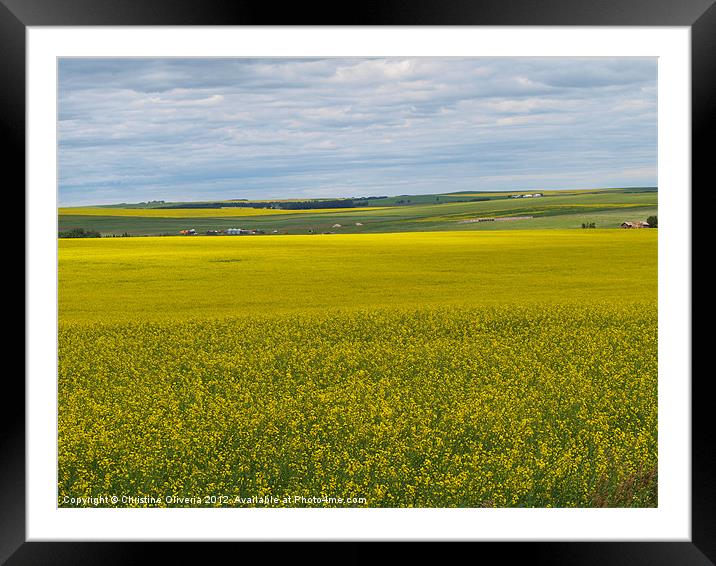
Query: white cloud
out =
(136, 129)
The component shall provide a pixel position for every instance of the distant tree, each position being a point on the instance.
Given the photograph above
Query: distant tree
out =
(79, 233)
(653, 221)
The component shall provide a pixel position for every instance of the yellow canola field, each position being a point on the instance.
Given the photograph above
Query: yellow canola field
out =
(174, 278)
(200, 212)
(464, 369)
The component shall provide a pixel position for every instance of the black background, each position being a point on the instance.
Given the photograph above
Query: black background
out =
(700, 15)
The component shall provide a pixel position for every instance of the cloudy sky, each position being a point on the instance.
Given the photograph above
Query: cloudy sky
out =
(133, 130)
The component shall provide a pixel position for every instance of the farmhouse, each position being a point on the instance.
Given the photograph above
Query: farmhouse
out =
(635, 224)
(336, 226)
(189, 232)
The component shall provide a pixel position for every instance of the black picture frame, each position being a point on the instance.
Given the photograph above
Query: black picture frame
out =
(17, 15)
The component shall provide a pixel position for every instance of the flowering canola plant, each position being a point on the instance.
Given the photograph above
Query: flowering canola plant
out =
(448, 396)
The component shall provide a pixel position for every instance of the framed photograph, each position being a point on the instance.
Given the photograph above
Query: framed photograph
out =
(420, 275)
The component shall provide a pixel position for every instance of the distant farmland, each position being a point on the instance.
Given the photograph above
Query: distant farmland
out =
(607, 208)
